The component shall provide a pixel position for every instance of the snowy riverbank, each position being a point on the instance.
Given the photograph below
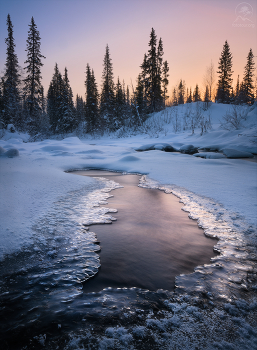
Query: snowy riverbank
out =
(221, 193)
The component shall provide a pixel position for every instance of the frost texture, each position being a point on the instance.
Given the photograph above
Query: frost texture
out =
(67, 249)
(234, 270)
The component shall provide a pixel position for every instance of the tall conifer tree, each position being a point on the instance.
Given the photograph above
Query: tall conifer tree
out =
(91, 107)
(55, 107)
(11, 82)
(225, 73)
(68, 117)
(248, 87)
(32, 83)
(107, 103)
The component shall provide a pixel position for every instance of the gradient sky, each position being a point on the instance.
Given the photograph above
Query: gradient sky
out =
(75, 32)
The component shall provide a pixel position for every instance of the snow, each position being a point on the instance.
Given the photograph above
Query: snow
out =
(43, 204)
(34, 180)
(232, 153)
(209, 155)
(188, 149)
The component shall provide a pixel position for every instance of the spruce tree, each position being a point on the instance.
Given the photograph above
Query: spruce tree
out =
(237, 90)
(32, 83)
(174, 97)
(225, 73)
(181, 92)
(107, 103)
(141, 107)
(11, 81)
(248, 87)
(55, 108)
(68, 118)
(119, 116)
(2, 124)
(196, 94)
(154, 75)
(80, 111)
(91, 106)
(190, 99)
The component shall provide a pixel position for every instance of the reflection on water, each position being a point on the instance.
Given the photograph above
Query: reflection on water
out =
(151, 242)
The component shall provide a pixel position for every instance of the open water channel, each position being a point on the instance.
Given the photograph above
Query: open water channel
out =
(150, 243)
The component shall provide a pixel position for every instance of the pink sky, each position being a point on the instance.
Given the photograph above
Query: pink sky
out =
(75, 32)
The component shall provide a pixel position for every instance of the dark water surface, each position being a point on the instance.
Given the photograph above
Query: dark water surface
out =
(45, 297)
(152, 241)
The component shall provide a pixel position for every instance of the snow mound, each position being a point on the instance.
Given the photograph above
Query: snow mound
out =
(209, 155)
(53, 148)
(232, 153)
(2, 150)
(188, 149)
(166, 147)
(11, 153)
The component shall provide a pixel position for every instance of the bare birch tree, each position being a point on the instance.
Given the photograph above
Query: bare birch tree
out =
(209, 79)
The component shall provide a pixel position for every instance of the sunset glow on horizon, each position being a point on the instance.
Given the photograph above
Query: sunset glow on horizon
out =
(74, 33)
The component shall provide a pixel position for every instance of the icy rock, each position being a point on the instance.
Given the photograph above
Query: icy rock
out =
(188, 149)
(213, 148)
(209, 155)
(13, 152)
(232, 153)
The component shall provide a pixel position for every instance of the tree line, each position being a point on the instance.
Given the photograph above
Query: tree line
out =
(24, 103)
(245, 91)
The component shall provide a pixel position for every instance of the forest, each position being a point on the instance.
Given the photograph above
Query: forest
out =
(28, 108)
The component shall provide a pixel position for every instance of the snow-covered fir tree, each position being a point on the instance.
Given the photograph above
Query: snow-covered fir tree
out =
(32, 83)
(225, 74)
(60, 106)
(107, 102)
(11, 99)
